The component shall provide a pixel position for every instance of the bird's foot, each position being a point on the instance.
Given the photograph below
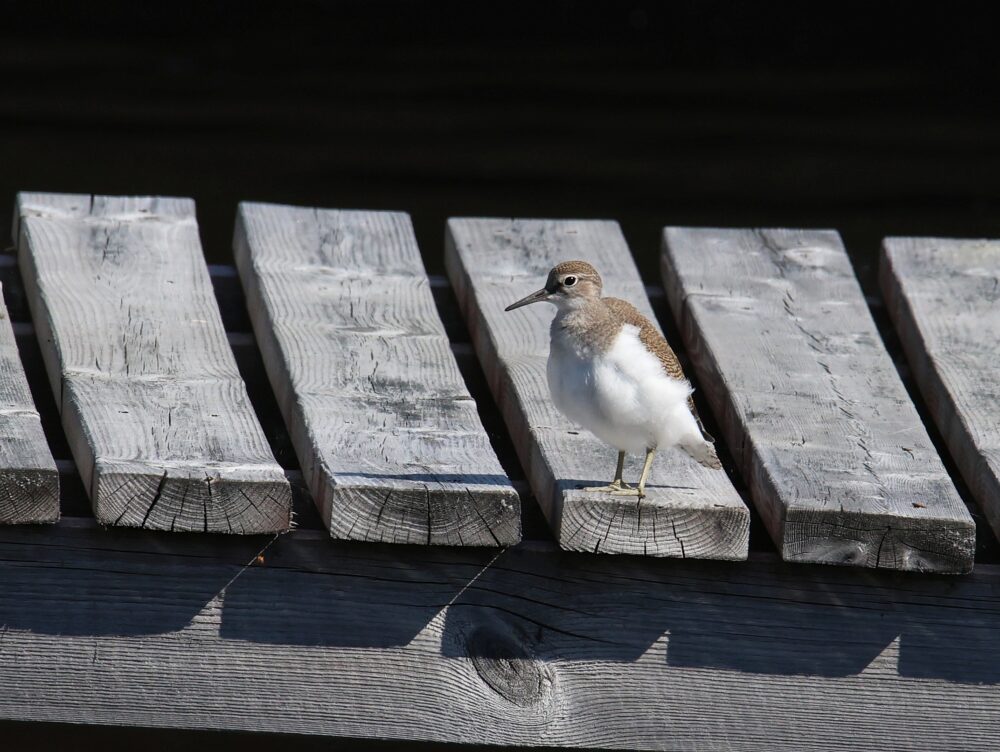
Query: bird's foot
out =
(629, 491)
(616, 488)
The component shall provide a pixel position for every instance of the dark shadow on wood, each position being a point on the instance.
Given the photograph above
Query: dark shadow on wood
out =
(956, 644)
(525, 608)
(114, 583)
(329, 593)
(823, 622)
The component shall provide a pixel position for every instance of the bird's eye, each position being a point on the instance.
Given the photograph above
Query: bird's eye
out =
(569, 281)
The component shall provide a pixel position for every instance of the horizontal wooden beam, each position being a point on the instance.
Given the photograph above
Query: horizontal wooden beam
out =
(530, 646)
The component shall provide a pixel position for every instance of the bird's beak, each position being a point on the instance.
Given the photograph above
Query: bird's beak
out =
(535, 297)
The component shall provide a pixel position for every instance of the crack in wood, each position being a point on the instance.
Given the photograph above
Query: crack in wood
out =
(878, 554)
(475, 507)
(156, 498)
(673, 526)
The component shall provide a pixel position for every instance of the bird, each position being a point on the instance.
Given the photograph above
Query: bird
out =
(611, 371)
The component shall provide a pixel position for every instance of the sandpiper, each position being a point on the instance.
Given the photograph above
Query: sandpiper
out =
(612, 372)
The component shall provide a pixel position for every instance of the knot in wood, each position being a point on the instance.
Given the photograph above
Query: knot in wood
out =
(507, 666)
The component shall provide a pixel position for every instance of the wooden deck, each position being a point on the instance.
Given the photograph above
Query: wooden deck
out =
(513, 645)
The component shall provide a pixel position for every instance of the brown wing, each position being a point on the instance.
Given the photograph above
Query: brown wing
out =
(650, 336)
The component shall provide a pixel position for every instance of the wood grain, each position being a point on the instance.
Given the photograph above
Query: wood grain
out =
(944, 299)
(29, 481)
(535, 647)
(837, 460)
(690, 511)
(155, 411)
(382, 423)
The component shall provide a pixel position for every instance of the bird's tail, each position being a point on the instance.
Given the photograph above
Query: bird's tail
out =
(703, 451)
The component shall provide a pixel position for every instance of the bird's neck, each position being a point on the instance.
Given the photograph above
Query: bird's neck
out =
(586, 323)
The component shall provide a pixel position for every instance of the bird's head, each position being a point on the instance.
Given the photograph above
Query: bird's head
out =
(569, 284)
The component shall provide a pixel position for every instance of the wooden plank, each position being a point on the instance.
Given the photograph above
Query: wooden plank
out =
(382, 423)
(157, 417)
(689, 510)
(535, 647)
(29, 481)
(837, 460)
(944, 299)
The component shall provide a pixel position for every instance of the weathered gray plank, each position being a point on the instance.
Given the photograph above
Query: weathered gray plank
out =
(381, 420)
(690, 511)
(535, 648)
(839, 465)
(944, 299)
(29, 481)
(153, 406)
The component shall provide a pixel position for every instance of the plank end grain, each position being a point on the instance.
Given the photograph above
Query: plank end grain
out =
(836, 458)
(178, 497)
(389, 439)
(29, 480)
(153, 405)
(432, 512)
(29, 495)
(878, 541)
(689, 511)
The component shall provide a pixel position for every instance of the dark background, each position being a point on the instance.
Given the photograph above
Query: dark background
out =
(871, 118)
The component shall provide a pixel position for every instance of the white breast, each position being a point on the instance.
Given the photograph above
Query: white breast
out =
(623, 395)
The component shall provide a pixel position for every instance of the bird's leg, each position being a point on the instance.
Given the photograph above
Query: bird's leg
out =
(617, 485)
(641, 490)
(624, 490)
(618, 482)
(650, 453)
